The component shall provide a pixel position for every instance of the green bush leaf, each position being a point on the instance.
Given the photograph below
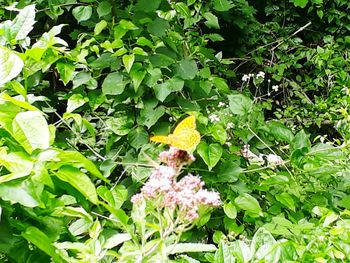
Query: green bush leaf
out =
(240, 104)
(212, 20)
(222, 5)
(128, 61)
(82, 13)
(75, 101)
(138, 137)
(104, 8)
(286, 200)
(23, 23)
(66, 71)
(248, 203)
(30, 129)
(187, 69)
(10, 65)
(42, 241)
(300, 3)
(113, 84)
(78, 180)
(210, 154)
(230, 210)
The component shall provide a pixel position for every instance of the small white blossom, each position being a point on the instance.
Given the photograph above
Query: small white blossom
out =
(260, 75)
(214, 118)
(228, 144)
(222, 104)
(230, 125)
(245, 77)
(275, 87)
(251, 75)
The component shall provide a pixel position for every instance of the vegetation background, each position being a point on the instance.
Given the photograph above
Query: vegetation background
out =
(84, 84)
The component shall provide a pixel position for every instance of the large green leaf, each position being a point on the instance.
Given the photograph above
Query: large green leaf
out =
(265, 247)
(240, 104)
(23, 23)
(30, 129)
(210, 154)
(82, 13)
(138, 137)
(248, 203)
(78, 180)
(187, 69)
(10, 65)
(113, 84)
(42, 241)
(222, 5)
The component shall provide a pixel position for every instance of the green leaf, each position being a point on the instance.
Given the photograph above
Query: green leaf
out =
(18, 164)
(163, 90)
(30, 129)
(147, 6)
(23, 23)
(300, 3)
(120, 125)
(190, 247)
(187, 69)
(228, 172)
(66, 71)
(222, 5)
(138, 137)
(210, 154)
(137, 75)
(10, 65)
(115, 196)
(158, 27)
(104, 8)
(25, 192)
(115, 240)
(183, 9)
(286, 200)
(240, 104)
(219, 133)
(75, 101)
(230, 210)
(220, 84)
(113, 84)
(248, 203)
(80, 79)
(42, 241)
(82, 13)
(280, 132)
(264, 247)
(16, 86)
(99, 27)
(224, 254)
(78, 180)
(128, 61)
(212, 20)
(149, 116)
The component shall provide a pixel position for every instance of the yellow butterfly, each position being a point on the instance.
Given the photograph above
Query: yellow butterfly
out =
(185, 136)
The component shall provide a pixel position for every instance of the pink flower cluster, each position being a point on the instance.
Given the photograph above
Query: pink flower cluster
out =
(176, 158)
(183, 196)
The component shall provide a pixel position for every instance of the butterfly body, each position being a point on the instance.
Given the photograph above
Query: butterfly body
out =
(185, 136)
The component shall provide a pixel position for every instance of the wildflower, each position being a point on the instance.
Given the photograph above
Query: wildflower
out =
(260, 75)
(214, 118)
(230, 125)
(222, 104)
(245, 78)
(176, 158)
(275, 87)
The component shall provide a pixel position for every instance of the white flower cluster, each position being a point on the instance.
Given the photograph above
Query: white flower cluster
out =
(214, 118)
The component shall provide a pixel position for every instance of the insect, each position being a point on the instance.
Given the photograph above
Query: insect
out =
(185, 136)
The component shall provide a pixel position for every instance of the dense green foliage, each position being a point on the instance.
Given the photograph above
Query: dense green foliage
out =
(84, 84)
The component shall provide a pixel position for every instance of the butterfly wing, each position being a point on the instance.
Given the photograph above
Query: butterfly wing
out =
(187, 140)
(161, 139)
(188, 123)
